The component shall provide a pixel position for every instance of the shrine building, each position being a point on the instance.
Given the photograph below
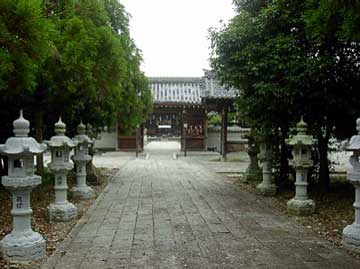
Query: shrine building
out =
(181, 106)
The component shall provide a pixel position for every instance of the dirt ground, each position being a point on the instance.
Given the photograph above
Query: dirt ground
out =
(334, 209)
(41, 197)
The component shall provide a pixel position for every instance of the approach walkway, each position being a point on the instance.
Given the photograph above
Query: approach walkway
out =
(165, 213)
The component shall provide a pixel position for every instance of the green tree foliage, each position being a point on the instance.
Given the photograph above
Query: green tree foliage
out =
(260, 53)
(119, 18)
(72, 58)
(99, 63)
(292, 58)
(214, 120)
(137, 91)
(251, 6)
(329, 18)
(332, 72)
(24, 44)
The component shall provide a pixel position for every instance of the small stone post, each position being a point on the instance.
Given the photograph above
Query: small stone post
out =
(60, 145)
(301, 142)
(253, 172)
(81, 157)
(267, 186)
(351, 233)
(22, 245)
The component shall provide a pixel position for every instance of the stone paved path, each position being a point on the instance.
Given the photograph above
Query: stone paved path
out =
(165, 213)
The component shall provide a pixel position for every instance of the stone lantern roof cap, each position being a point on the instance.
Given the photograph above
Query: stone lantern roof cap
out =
(60, 127)
(301, 138)
(60, 139)
(21, 126)
(301, 126)
(81, 128)
(354, 143)
(21, 143)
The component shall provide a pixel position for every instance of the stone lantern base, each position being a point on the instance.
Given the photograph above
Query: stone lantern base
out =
(84, 192)
(266, 189)
(23, 247)
(301, 207)
(62, 212)
(351, 237)
(253, 174)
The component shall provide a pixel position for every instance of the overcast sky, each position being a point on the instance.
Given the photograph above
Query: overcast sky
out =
(172, 34)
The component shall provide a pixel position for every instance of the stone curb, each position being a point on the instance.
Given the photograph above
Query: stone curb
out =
(52, 261)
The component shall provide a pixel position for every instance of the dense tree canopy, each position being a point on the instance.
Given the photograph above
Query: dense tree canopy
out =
(290, 58)
(24, 44)
(70, 58)
(73, 58)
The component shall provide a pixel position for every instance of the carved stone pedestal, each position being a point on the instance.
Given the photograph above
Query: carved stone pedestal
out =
(81, 190)
(61, 210)
(267, 186)
(301, 205)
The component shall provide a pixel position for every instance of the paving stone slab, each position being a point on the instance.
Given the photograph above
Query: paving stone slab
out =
(159, 212)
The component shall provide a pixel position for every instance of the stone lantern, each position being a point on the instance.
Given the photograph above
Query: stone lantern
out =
(267, 186)
(302, 144)
(253, 171)
(60, 145)
(81, 157)
(22, 245)
(351, 233)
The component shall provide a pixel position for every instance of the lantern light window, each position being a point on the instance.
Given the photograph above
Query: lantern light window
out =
(18, 163)
(58, 154)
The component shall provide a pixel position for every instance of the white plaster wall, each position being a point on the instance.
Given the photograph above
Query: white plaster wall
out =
(214, 139)
(108, 141)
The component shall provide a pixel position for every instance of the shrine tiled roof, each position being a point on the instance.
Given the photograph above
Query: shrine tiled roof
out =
(188, 90)
(176, 90)
(214, 90)
(231, 129)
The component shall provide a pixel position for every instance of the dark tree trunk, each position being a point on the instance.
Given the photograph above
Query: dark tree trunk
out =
(91, 175)
(281, 154)
(324, 175)
(284, 156)
(39, 138)
(224, 126)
